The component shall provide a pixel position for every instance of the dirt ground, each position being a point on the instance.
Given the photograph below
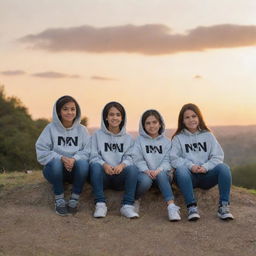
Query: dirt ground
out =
(29, 226)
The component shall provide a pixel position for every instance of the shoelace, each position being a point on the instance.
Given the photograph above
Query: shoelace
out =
(60, 203)
(224, 209)
(193, 210)
(72, 203)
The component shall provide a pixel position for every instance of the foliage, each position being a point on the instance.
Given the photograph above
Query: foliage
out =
(84, 121)
(18, 135)
(245, 176)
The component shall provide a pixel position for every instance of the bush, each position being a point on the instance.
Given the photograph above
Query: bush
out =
(245, 176)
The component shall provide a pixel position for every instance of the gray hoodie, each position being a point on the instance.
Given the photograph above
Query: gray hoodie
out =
(151, 153)
(199, 148)
(111, 148)
(56, 141)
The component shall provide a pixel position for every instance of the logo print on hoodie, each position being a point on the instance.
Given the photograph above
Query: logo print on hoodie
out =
(68, 141)
(154, 149)
(196, 147)
(114, 147)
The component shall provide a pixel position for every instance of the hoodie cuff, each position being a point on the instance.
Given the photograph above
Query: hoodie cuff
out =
(76, 157)
(206, 167)
(126, 162)
(190, 165)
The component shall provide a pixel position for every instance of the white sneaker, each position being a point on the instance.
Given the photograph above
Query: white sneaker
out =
(173, 212)
(137, 206)
(100, 210)
(128, 211)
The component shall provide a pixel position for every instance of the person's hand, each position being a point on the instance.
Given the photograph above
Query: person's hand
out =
(154, 173)
(151, 174)
(68, 162)
(119, 168)
(195, 168)
(108, 169)
(201, 169)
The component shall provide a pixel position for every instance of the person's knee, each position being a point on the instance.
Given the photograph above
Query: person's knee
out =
(95, 170)
(144, 182)
(182, 172)
(131, 171)
(223, 169)
(81, 168)
(56, 166)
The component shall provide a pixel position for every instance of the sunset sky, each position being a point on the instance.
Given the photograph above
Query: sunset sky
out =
(143, 53)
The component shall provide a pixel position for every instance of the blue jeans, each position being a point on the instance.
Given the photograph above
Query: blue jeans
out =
(162, 180)
(56, 174)
(220, 174)
(126, 180)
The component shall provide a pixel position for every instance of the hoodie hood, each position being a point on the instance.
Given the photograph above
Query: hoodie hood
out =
(188, 133)
(58, 122)
(143, 133)
(105, 129)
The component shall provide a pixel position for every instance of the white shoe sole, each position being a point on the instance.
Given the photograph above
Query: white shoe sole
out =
(227, 216)
(194, 217)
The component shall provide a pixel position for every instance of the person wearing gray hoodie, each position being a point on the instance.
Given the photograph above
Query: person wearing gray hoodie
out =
(63, 149)
(198, 159)
(111, 162)
(151, 156)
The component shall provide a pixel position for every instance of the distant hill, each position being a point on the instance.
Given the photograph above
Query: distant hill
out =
(238, 142)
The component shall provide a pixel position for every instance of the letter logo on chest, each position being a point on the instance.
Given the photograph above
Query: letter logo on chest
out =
(196, 147)
(154, 149)
(114, 147)
(67, 141)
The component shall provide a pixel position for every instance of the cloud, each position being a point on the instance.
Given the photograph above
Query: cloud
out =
(13, 72)
(150, 39)
(51, 74)
(102, 78)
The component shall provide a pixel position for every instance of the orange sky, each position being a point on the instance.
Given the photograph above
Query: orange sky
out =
(144, 54)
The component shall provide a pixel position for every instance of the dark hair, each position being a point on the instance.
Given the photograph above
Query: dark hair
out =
(155, 113)
(119, 107)
(194, 108)
(64, 100)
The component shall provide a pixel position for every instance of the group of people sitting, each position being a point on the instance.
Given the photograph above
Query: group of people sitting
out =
(110, 158)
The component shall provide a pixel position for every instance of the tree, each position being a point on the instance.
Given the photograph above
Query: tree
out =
(18, 134)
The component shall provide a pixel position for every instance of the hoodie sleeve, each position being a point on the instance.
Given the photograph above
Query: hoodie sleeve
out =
(138, 158)
(95, 156)
(127, 157)
(176, 155)
(216, 155)
(166, 165)
(84, 152)
(44, 145)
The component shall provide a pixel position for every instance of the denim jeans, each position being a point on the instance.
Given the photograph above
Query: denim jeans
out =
(126, 180)
(162, 180)
(220, 174)
(56, 174)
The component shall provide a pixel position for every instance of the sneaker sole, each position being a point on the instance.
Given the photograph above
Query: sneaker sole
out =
(227, 217)
(194, 217)
(174, 220)
(99, 217)
(62, 214)
(132, 217)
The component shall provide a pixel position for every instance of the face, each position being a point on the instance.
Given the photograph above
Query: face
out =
(114, 118)
(68, 112)
(152, 126)
(191, 120)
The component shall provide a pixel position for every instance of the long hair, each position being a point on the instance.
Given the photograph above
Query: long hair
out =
(194, 108)
(155, 113)
(64, 100)
(119, 107)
